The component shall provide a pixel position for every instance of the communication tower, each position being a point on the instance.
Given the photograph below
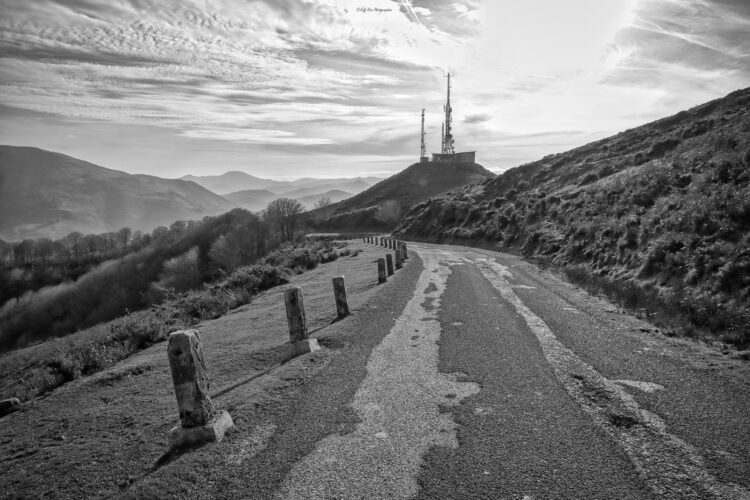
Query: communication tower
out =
(447, 147)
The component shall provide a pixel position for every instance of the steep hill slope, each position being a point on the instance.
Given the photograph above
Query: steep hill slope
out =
(381, 206)
(658, 216)
(46, 194)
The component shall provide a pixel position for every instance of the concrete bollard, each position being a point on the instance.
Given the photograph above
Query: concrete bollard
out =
(406, 252)
(381, 271)
(295, 316)
(9, 406)
(390, 244)
(339, 293)
(200, 422)
(389, 263)
(399, 259)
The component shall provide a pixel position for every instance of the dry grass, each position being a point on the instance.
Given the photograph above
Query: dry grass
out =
(38, 369)
(99, 434)
(656, 217)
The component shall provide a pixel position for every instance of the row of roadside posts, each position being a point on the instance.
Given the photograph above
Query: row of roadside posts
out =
(385, 265)
(200, 420)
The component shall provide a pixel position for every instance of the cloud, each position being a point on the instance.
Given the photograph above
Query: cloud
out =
(277, 80)
(478, 118)
(254, 136)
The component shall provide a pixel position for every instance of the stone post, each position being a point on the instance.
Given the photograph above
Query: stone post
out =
(339, 293)
(381, 271)
(295, 316)
(399, 259)
(389, 262)
(199, 421)
(9, 406)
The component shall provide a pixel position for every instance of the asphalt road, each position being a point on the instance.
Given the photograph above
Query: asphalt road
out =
(477, 375)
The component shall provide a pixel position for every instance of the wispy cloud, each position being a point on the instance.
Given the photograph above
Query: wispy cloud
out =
(278, 80)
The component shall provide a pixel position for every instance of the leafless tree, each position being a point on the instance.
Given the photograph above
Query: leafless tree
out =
(324, 207)
(284, 213)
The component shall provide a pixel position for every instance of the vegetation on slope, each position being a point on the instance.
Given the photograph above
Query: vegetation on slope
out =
(658, 217)
(38, 369)
(381, 206)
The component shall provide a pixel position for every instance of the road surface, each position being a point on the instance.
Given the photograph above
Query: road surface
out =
(489, 378)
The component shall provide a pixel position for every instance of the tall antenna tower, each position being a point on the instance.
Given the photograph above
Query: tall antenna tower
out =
(422, 149)
(447, 148)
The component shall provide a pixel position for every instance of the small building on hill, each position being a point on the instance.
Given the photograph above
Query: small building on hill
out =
(464, 156)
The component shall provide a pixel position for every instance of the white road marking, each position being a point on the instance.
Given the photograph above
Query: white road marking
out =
(524, 287)
(641, 386)
(398, 403)
(671, 467)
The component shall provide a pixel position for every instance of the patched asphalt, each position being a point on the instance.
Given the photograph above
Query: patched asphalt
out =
(521, 436)
(321, 406)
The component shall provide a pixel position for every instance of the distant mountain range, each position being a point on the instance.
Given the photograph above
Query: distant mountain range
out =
(46, 194)
(234, 181)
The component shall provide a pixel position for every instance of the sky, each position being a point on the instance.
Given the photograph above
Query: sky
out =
(334, 88)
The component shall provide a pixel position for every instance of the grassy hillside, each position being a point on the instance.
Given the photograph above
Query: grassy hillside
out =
(46, 194)
(657, 217)
(381, 206)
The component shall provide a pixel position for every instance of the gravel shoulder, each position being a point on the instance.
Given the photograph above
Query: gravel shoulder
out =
(100, 436)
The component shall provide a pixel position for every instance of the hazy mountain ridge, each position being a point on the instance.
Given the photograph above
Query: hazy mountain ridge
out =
(660, 212)
(234, 181)
(47, 194)
(381, 206)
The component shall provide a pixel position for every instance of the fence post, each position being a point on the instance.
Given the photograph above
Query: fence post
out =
(295, 317)
(406, 252)
(399, 258)
(9, 406)
(381, 271)
(389, 263)
(339, 293)
(200, 422)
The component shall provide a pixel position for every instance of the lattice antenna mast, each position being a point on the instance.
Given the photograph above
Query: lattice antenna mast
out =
(422, 148)
(447, 148)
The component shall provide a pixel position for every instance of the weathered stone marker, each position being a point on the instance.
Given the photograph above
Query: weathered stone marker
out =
(381, 271)
(399, 259)
(200, 422)
(406, 252)
(339, 293)
(389, 262)
(9, 406)
(295, 316)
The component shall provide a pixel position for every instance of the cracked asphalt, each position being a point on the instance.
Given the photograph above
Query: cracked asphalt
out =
(498, 380)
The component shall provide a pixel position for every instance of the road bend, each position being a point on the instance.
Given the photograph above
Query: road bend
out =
(498, 381)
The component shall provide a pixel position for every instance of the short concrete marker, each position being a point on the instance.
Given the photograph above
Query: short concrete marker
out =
(9, 406)
(399, 259)
(389, 262)
(381, 271)
(200, 422)
(339, 293)
(295, 315)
